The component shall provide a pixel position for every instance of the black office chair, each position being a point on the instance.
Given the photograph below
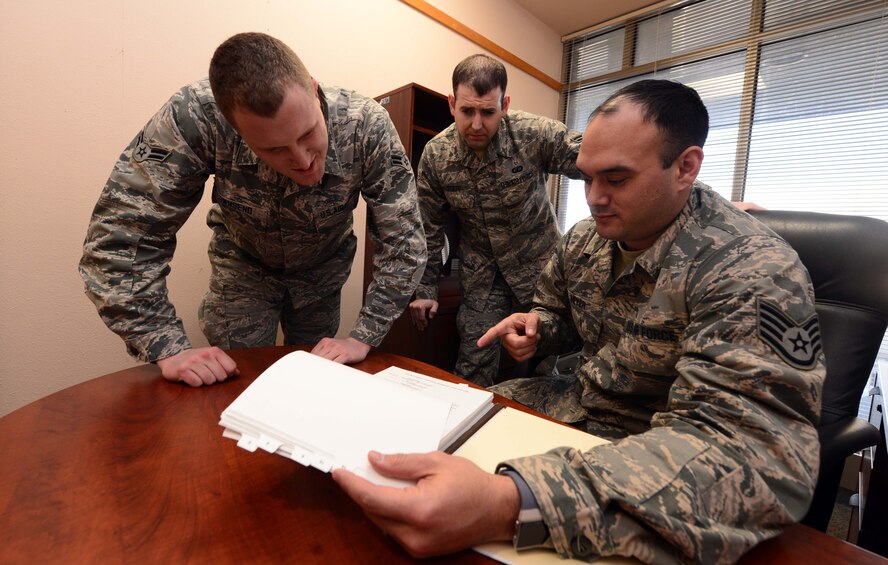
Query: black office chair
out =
(847, 257)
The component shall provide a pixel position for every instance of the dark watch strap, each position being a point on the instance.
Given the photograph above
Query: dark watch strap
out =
(530, 529)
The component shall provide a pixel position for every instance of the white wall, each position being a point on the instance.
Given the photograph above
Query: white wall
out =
(79, 79)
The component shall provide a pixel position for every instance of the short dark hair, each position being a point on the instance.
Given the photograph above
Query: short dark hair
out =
(482, 72)
(254, 71)
(676, 109)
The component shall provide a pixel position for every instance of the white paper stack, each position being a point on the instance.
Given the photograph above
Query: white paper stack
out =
(327, 415)
(467, 405)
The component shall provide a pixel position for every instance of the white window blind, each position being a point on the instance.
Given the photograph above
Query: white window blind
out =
(797, 92)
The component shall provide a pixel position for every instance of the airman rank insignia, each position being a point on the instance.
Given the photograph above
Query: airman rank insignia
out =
(400, 160)
(797, 343)
(144, 152)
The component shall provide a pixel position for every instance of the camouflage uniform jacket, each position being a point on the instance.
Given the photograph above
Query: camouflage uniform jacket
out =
(279, 225)
(707, 350)
(506, 219)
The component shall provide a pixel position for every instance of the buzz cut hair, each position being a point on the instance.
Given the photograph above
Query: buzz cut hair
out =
(481, 72)
(253, 71)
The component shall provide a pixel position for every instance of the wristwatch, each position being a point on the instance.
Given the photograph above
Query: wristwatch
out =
(530, 529)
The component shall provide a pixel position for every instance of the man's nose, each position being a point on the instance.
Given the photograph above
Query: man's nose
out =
(299, 156)
(595, 196)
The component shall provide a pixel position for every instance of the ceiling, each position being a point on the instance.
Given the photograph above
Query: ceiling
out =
(568, 16)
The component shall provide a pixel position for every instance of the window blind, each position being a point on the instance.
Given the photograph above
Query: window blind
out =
(797, 92)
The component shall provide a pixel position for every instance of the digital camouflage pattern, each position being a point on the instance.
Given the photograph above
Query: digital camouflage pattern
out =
(508, 228)
(724, 451)
(481, 365)
(276, 246)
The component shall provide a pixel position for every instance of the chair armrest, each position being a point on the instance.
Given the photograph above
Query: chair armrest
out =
(840, 439)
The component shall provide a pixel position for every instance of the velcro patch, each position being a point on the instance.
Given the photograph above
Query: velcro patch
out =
(797, 343)
(236, 206)
(400, 160)
(144, 152)
(651, 333)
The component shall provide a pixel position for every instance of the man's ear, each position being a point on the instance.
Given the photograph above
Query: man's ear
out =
(451, 101)
(506, 103)
(688, 165)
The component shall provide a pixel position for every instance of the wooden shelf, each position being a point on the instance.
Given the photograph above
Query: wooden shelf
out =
(427, 131)
(419, 114)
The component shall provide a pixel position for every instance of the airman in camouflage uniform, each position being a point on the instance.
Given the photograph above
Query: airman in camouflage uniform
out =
(708, 350)
(701, 360)
(495, 183)
(280, 249)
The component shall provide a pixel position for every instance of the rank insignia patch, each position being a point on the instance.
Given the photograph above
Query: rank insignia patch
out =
(144, 152)
(797, 343)
(400, 161)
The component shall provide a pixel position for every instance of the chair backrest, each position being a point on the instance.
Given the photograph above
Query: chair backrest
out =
(847, 257)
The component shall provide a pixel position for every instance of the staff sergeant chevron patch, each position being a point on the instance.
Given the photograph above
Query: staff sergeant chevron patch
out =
(797, 343)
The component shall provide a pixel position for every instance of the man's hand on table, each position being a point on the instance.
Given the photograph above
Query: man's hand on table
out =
(348, 350)
(197, 367)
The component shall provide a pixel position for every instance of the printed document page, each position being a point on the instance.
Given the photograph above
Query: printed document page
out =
(467, 404)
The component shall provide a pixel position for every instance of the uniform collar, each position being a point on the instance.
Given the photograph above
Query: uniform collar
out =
(329, 96)
(651, 261)
(602, 250)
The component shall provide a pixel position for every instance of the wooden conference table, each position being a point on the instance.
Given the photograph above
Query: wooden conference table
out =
(128, 468)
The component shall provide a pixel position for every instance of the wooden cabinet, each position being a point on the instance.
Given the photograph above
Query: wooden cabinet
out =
(418, 114)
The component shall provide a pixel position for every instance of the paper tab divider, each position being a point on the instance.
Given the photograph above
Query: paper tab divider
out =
(300, 455)
(269, 444)
(248, 442)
